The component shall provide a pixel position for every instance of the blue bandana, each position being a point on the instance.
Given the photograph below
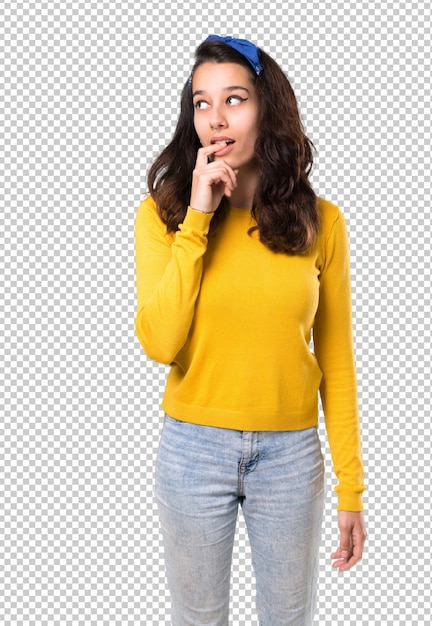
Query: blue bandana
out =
(246, 49)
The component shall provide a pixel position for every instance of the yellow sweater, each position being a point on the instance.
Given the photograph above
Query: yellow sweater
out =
(234, 321)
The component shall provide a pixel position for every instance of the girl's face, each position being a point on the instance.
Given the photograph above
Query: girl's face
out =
(226, 111)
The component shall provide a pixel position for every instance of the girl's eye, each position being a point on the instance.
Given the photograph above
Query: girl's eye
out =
(233, 100)
(201, 104)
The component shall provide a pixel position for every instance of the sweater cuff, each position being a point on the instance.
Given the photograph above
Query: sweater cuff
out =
(350, 501)
(197, 220)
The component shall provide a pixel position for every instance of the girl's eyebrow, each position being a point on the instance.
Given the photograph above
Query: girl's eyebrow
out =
(201, 92)
(235, 87)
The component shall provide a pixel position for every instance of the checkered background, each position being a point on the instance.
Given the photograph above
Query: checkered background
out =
(89, 94)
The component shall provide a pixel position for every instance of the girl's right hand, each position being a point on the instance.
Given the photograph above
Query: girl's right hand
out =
(211, 180)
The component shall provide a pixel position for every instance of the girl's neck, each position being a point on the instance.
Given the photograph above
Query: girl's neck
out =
(243, 195)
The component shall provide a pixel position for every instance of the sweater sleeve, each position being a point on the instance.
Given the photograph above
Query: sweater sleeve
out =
(333, 344)
(168, 278)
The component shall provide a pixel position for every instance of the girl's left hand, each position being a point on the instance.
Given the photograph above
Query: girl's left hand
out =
(353, 535)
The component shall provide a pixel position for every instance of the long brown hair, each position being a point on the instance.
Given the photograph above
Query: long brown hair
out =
(285, 205)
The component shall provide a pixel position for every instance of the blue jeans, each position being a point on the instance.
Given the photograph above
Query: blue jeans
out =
(202, 475)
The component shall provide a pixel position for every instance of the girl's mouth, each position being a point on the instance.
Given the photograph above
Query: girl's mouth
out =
(226, 145)
(223, 142)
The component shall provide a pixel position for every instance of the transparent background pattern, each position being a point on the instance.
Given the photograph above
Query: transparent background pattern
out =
(89, 94)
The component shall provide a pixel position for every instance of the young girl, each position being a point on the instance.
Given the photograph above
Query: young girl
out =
(239, 264)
